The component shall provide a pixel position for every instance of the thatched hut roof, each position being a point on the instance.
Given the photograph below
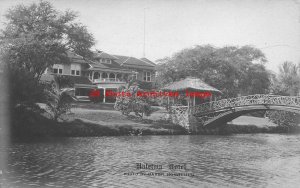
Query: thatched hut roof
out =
(191, 84)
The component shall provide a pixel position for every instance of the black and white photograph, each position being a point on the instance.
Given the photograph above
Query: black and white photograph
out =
(149, 93)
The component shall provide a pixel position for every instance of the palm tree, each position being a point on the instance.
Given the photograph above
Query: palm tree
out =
(58, 100)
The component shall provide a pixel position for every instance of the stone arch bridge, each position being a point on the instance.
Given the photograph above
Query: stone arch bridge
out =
(218, 112)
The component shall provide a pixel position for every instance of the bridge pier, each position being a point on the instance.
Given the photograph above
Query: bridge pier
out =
(181, 116)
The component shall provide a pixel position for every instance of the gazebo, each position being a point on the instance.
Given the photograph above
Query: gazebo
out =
(194, 85)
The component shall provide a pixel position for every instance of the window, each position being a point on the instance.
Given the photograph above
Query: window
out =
(57, 69)
(147, 76)
(135, 76)
(107, 61)
(75, 69)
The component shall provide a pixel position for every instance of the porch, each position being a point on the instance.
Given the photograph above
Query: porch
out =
(82, 92)
(118, 76)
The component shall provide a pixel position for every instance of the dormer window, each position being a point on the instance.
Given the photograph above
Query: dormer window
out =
(107, 61)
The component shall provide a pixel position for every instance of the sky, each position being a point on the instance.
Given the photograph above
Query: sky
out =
(172, 25)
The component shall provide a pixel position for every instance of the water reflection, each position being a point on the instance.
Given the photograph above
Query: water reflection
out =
(259, 160)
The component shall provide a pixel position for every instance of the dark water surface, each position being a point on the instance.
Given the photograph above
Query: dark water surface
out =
(258, 160)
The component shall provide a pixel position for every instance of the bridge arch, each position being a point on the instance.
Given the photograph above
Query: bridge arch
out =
(219, 112)
(231, 114)
(224, 110)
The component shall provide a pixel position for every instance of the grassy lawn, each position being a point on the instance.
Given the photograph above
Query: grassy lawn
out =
(113, 117)
(108, 118)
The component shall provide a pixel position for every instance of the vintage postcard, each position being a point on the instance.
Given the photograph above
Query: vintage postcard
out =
(149, 93)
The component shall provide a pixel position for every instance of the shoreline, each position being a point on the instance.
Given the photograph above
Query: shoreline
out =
(90, 122)
(84, 128)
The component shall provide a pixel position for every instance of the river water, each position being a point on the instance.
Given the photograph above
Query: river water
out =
(250, 160)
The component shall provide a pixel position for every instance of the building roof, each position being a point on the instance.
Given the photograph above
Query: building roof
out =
(73, 79)
(112, 65)
(97, 65)
(121, 59)
(107, 67)
(190, 83)
(100, 54)
(111, 70)
(133, 62)
(118, 62)
(75, 58)
(148, 61)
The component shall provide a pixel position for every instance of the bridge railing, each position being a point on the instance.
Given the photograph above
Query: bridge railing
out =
(246, 101)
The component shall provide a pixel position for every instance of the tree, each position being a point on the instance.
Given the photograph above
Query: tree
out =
(34, 38)
(287, 82)
(58, 101)
(256, 80)
(289, 77)
(229, 69)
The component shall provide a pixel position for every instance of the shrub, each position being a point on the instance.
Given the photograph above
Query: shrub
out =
(132, 103)
(284, 118)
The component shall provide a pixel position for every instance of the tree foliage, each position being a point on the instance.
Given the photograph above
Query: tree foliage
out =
(289, 78)
(42, 22)
(284, 118)
(231, 69)
(37, 36)
(34, 38)
(287, 82)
